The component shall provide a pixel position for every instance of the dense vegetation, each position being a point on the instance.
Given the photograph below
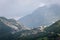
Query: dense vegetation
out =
(50, 33)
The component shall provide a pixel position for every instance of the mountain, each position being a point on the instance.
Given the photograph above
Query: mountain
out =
(8, 27)
(30, 34)
(5, 31)
(8, 31)
(13, 24)
(18, 24)
(54, 27)
(42, 16)
(51, 32)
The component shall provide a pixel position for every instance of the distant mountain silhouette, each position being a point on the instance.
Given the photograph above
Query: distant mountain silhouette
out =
(42, 16)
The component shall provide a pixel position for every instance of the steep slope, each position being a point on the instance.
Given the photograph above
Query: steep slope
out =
(5, 31)
(10, 27)
(13, 24)
(50, 33)
(29, 34)
(19, 26)
(42, 16)
(54, 27)
(47, 34)
(4, 28)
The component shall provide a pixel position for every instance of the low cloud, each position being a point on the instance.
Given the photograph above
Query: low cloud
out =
(11, 8)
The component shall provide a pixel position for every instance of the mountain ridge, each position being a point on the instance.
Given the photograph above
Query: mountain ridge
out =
(42, 16)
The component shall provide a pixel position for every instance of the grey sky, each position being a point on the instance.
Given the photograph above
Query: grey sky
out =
(20, 8)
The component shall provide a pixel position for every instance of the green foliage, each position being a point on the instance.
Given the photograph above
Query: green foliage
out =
(54, 27)
(51, 33)
(45, 38)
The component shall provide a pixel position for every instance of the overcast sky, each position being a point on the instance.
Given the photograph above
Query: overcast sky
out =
(20, 8)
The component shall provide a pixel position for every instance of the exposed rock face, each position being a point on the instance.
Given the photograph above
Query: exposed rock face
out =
(13, 24)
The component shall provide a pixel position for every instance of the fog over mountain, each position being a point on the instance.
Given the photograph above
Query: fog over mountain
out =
(42, 16)
(29, 19)
(19, 8)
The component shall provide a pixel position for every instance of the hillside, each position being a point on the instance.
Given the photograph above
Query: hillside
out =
(8, 27)
(42, 16)
(54, 27)
(50, 33)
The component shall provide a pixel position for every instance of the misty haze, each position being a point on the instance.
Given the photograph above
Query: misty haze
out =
(29, 19)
